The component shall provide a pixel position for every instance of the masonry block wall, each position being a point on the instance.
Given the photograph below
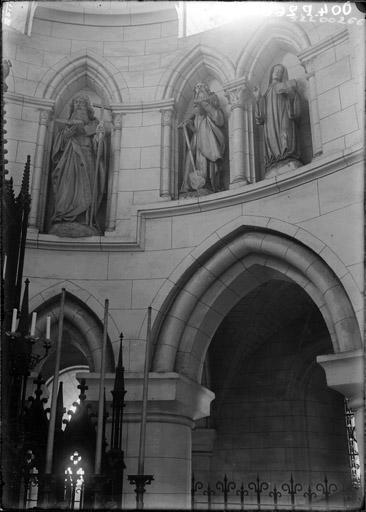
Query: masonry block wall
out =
(140, 64)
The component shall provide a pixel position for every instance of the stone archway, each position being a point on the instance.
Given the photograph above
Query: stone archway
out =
(228, 271)
(82, 335)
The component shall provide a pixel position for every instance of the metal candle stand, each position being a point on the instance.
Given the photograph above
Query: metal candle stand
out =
(140, 481)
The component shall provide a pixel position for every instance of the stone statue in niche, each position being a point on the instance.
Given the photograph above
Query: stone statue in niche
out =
(277, 110)
(79, 171)
(6, 65)
(205, 144)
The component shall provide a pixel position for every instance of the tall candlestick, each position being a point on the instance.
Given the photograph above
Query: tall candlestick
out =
(48, 328)
(14, 320)
(98, 452)
(141, 459)
(33, 325)
(52, 423)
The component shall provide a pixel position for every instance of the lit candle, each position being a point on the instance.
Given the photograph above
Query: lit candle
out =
(33, 325)
(48, 327)
(4, 267)
(14, 320)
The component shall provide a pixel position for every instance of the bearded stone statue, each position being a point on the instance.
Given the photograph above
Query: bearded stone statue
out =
(205, 141)
(79, 171)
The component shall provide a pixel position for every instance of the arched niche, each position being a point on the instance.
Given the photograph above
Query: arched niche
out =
(200, 64)
(81, 338)
(81, 74)
(279, 52)
(102, 111)
(185, 111)
(277, 42)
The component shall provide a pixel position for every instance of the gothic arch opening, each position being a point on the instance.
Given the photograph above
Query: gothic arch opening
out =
(248, 319)
(81, 339)
(219, 277)
(273, 413)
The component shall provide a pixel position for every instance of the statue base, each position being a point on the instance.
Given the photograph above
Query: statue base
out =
(73, 230)
(195, 193)
(282, 167)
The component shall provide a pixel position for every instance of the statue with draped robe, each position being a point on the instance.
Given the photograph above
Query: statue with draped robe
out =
(205, 143)
(79, 169)
(278, 111)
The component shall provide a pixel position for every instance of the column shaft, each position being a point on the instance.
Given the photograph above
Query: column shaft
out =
(37, 168)
(116, 148)
(239, 140)
(166, 150)
(314, 110)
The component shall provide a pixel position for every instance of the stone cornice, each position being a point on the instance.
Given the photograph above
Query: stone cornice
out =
(323, 45)
(141, 107)
(318, 168)
(30, 101)
(235, 84)
(116, 108)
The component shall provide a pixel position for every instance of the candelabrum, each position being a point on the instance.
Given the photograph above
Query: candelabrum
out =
(22, 338)
(21, 349)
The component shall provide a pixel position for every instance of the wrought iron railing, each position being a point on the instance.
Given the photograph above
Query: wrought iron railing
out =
(258, 494)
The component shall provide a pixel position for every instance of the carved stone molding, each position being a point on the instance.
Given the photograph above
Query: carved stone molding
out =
(317, 49)
(166, 116)
(44, 117)
(320, 167)
(117, 121)
(29, 101)
(138, 107)
(235, 97)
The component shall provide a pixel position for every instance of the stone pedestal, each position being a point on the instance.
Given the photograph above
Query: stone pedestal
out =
(174, 403)
(345, 374)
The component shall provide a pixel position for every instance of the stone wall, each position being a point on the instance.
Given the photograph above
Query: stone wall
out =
(140, 68)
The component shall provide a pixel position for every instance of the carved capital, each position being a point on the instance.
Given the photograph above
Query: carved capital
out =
(166, 116)
(117, 121)
(309, 67)
(235, 96)
(44, 117)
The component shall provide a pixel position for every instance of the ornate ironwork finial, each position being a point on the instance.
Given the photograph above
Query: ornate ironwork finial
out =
(23, 326)
(39, 381)
(83, 387)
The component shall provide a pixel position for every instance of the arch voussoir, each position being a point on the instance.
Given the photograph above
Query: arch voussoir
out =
(229, 272)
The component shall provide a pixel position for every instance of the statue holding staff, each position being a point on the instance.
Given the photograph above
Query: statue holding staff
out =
(277, 110)
(79, 171)
(205, 141)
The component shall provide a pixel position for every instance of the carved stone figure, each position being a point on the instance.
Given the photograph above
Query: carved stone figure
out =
(6, 65)
(205, 141)
(79, 171)
(278, 110)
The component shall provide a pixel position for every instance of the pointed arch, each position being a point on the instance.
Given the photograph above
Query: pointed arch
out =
(78, 318)
(88, 67)
(219, 277)
(275, 33)
(188, 64)
(83, 312)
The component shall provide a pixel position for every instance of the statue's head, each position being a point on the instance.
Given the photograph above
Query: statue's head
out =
(201, 92)
(82, 104)
(278, 73)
